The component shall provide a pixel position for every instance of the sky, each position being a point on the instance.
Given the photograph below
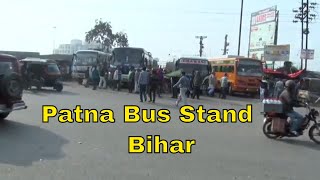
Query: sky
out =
(166, 28)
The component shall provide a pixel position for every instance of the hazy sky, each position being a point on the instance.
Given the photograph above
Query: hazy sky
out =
(162, 27)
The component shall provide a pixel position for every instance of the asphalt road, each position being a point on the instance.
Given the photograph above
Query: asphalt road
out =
(31, 150)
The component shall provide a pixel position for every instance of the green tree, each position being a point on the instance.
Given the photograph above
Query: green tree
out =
(121, 39)
(102, 33)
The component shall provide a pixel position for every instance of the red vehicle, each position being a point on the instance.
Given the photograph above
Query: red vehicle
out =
(11, 86)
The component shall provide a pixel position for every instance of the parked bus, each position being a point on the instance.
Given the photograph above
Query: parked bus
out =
(188, 65)
(244, 74)
(126, 57)
(83, 59)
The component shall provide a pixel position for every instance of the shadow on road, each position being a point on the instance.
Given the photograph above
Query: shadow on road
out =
(23, 144)
(44, 92)
(308, 144)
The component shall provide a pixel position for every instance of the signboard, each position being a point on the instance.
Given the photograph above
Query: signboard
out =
(193, 61)
(263, 31)
(277, 53)
(307, 54)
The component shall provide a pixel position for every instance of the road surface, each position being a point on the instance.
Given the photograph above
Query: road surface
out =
(32, 150)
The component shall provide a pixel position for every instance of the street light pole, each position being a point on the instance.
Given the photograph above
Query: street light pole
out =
(54, 39)
(240, 28)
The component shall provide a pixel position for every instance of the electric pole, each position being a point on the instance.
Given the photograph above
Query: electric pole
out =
(240, 28)
(304, 16)
(226, 44)
(201, 43)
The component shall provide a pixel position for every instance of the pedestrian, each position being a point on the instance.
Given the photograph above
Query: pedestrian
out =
(95, 77)
(131, 79)
(211, 84)
(196, 85)
(161, 78)
(224, 86)
(184, 85)
(136, 81)
(102, 83)
(117, 78)
(278, 88)
(153, 86)
(190, 92)
(143, 82)
(86, 78)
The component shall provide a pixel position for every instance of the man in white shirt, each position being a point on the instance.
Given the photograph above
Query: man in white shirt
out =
(224, 85)
(211, 84)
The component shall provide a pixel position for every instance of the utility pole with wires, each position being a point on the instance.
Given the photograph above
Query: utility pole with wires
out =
(304, 16)
(226, 44)
(201, 43)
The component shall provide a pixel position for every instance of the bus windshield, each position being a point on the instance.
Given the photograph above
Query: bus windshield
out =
(249, 68)
(128, 56)
(85, 59)
(188, 68)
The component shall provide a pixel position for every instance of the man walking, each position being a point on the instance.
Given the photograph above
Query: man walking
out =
(211, 84)
(143, 82)
(224, 86)
(102, 83)
(136, 81)
(131, 80)
(184, 84)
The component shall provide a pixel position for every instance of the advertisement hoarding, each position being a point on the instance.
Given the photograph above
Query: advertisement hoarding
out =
(277, 53)
(263, 31)
(307, 54)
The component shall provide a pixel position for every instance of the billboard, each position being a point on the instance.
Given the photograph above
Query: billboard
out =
(263, 31)
(277, 53)
(307, 54)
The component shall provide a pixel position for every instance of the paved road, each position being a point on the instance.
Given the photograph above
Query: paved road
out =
(31, 150)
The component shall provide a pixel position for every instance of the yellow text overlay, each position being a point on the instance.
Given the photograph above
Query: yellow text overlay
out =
(77, 114)
(154, 144)
(190, 114)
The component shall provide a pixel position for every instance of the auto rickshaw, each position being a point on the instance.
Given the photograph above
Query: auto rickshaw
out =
(309, 90)
(41, 73)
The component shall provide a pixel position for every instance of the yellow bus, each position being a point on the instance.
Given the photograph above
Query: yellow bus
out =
(244, 74)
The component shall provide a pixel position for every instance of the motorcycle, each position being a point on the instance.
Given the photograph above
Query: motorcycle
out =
(311, 116)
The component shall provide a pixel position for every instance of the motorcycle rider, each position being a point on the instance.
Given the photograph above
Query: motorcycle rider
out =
(288, 99)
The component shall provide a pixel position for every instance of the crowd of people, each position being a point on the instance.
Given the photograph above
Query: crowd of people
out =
(141, 81)
(273, 88)
(150, 83)
(191, 86)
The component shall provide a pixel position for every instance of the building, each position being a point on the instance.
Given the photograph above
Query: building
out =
(74, 46)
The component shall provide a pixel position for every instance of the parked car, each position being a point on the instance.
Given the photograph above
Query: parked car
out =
(11, 86)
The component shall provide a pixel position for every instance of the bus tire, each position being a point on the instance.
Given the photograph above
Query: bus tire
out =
(230, 91)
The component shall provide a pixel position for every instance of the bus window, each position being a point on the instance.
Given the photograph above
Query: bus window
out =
(227, 69)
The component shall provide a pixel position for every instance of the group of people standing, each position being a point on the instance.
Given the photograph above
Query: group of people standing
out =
(145, 82)
(139, 80)
(273, 89)
(192, 86)
(103, 77)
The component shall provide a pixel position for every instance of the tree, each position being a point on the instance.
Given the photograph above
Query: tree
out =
(102, 33)
(121, 39)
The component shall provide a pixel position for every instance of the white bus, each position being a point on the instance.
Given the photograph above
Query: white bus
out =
(128, 57)
(83, 59)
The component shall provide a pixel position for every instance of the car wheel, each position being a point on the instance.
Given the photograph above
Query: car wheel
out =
(12, 86)
(3, 115)
(59, 87)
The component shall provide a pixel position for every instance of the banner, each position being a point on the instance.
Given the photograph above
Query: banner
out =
(307, 54)
(262, 31)
(277, 53)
